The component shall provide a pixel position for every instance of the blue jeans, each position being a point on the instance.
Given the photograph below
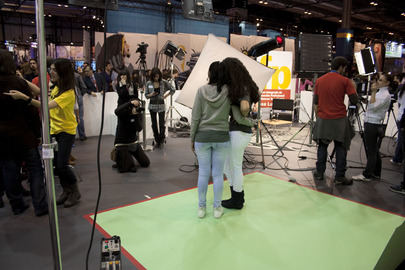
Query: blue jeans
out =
(61, 162)
(36, 179)
(340, 153)
(80, 126)
(211, 161)
(10, 171)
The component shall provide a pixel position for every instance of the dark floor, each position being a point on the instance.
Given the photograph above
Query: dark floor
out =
(26, 239)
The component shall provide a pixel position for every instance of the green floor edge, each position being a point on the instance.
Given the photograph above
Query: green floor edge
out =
(282, 226)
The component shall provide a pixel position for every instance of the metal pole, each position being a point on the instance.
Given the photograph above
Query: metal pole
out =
(47, 146)
(312, 113)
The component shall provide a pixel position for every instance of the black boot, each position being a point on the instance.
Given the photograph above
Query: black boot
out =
(227, 202)
(235, 202)
(73, 197)
(64, 196)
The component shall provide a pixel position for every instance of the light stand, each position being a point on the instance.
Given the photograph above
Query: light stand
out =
(47, 146)
(142, 75)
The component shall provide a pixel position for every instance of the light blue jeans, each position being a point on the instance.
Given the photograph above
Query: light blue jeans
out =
(233, 164)
(211, 160)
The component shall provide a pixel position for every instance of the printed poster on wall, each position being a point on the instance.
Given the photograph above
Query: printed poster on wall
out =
(280, 84)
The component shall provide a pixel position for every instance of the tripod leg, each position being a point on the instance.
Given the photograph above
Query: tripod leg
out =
(261, 145)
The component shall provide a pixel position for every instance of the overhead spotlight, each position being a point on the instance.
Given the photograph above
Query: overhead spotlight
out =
(59, 5)
(49, 15)
(71, 43)
(281, 29)
(260, 2)
(83, 26)
(258, 24)
(84, 7)
(390, 33)
(369, 28)
(340, 20)
(88, 26)
(265, 3)
(32, 22)
(94, 17)
(66, 6)
(261, 20)
(257, 19)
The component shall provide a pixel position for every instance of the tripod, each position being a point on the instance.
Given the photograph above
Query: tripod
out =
(171, 107)
(142, 81)
(390, 112)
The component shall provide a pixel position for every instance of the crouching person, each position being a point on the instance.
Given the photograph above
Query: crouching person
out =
(126, 146)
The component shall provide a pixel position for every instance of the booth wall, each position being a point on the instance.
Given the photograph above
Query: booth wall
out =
(153, 21)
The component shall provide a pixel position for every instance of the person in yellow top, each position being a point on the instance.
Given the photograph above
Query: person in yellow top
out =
(62, 125)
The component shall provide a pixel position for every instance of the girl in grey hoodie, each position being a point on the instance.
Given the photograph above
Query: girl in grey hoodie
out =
(210, 138)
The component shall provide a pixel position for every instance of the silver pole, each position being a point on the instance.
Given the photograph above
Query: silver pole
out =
(47, 146)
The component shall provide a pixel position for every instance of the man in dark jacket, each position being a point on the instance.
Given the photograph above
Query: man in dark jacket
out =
(95, 82)
(19, 126)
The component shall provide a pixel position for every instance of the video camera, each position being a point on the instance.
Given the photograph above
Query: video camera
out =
(140, 108)
(142, 48)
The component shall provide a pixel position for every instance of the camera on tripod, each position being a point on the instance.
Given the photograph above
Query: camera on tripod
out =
(142, 49)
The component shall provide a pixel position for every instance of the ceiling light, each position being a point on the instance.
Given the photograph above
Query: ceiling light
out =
(94, 17)
(32, 22)
(321, 31)
(88, 26)
(49, 15)
(260, 2)
(84, 7)
(83, 26)
(261, 20)
(265, 3)
(390, 33)
(257, 19)
(71, 43)
(281, 29)
(59, 5)
(258, 24)
(66, 6)
(295, 26)
(369, 28)
(309, 13)
(403, 14)
(340, 20)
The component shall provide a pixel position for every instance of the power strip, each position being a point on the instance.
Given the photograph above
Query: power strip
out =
(111, 253)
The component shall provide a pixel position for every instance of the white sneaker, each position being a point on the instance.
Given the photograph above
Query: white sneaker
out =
(218, 211)
(201, 212)
(361, 177)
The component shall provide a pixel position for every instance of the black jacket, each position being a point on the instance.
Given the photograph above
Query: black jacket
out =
(123, 93)
(100, 81)
(19, 122)
(128, 124)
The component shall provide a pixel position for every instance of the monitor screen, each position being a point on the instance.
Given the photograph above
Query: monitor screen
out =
(93, 65)
(393, 50)
(79, 64)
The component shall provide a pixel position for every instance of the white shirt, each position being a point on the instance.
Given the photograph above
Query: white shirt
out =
(401, 105)
(376, 111)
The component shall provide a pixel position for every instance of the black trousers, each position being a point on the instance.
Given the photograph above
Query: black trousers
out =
(61, 161)
(372, 134)
(124, 156)
(158, 134)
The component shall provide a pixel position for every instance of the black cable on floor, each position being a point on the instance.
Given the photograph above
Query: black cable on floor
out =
(99, 144)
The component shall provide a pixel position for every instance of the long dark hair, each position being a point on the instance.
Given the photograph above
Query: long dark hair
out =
(124, 72)
(213, 73)
(154, 72)
(66, 75)
(7, 65)
(235, 75)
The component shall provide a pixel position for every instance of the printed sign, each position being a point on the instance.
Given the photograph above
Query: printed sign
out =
(279, 85)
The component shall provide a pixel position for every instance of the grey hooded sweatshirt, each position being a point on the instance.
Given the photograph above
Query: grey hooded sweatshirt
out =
(210, 114)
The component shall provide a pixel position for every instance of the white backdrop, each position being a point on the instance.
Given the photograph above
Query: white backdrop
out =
(216, 50)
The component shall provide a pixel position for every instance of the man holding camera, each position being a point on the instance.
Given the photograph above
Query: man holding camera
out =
(332, 123)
